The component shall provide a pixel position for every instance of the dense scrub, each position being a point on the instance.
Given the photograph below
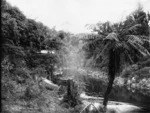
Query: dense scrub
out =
(23, 65)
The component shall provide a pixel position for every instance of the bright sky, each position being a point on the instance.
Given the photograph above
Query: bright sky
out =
(73, 15)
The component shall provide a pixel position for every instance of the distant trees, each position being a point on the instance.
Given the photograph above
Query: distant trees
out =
(26, 34)
(126, 42)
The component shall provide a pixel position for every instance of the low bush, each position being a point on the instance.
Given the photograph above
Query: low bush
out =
(95, 86)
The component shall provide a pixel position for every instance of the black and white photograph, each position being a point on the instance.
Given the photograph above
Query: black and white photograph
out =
(75, 56)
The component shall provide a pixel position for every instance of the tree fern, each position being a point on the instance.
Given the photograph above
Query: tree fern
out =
(122, 43)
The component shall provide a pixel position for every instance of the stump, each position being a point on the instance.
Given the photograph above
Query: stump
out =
(72, 96)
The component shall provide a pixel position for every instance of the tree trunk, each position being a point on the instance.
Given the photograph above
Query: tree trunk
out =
(109, 88)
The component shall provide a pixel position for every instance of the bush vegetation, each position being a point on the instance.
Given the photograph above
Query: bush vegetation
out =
(23, 64)
(120, 50)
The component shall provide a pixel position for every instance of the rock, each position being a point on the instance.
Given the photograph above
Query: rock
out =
(48, 84)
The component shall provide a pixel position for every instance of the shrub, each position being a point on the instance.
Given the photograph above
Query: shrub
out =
(95, 85)
(71, 98)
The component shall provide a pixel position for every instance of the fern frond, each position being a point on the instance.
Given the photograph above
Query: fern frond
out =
(135, 39)
(139, 48)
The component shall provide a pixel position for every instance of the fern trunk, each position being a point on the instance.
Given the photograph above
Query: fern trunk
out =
(113, 67)
(108, 90)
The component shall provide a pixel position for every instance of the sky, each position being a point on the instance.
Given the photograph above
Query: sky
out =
(73, 15)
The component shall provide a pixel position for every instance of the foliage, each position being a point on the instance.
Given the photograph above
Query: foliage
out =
(19, 31)
(137, 77)
(123, 37)
(131, 86)
(72, 95)
(22, 63)
(131, 30)
(95, 85)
